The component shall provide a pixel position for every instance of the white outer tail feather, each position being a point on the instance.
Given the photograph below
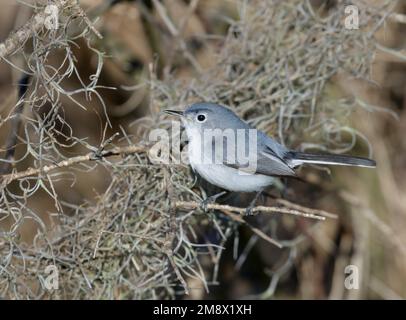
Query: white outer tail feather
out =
(299, 158)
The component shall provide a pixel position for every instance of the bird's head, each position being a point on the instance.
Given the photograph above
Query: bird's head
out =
(203, 115)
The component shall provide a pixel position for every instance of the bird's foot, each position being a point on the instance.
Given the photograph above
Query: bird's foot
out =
(209, 200)
(249, 211)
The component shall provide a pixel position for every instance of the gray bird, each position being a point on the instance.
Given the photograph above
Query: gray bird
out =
(272, 159)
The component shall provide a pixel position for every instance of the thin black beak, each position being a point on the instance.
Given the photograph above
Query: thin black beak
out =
(174, 113)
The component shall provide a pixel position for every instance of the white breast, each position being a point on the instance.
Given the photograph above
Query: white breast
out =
(223, 176)
(231, 179)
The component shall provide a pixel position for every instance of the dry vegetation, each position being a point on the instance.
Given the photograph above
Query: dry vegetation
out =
(78, 189)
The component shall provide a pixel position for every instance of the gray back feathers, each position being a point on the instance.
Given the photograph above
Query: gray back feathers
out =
(272, 158)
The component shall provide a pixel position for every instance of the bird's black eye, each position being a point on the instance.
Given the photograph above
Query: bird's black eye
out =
(201, 118)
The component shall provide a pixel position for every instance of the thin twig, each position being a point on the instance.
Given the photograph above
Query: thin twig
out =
(298, 207)
(37, 22)
(79, 11)
(176, 34)
(236, 213)
(258, 232)
(15, 125)
(33, 26)
(91, 156)
(194, 205)
(170, 237)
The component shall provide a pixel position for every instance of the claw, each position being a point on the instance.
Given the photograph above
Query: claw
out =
(209, 200)
(204, 203)
(249, 210)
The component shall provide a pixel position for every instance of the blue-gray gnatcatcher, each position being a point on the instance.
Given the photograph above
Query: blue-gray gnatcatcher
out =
(207, 124)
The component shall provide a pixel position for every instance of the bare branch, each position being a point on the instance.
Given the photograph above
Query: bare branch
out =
(235, 213)
(18, 38)
(194, 205)
(91, 156)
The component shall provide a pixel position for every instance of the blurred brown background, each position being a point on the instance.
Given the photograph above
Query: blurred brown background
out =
(371, 206)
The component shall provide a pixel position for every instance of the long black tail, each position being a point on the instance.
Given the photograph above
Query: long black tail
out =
(298, 158)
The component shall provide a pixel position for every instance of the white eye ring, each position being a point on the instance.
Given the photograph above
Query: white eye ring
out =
(201, 118)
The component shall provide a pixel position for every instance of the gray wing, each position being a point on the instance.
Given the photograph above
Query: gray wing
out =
(270, 164)
(269, 158)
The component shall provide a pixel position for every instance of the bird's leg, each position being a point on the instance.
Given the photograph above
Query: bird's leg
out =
(210, 200)
(248, 210)
(284, 189)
